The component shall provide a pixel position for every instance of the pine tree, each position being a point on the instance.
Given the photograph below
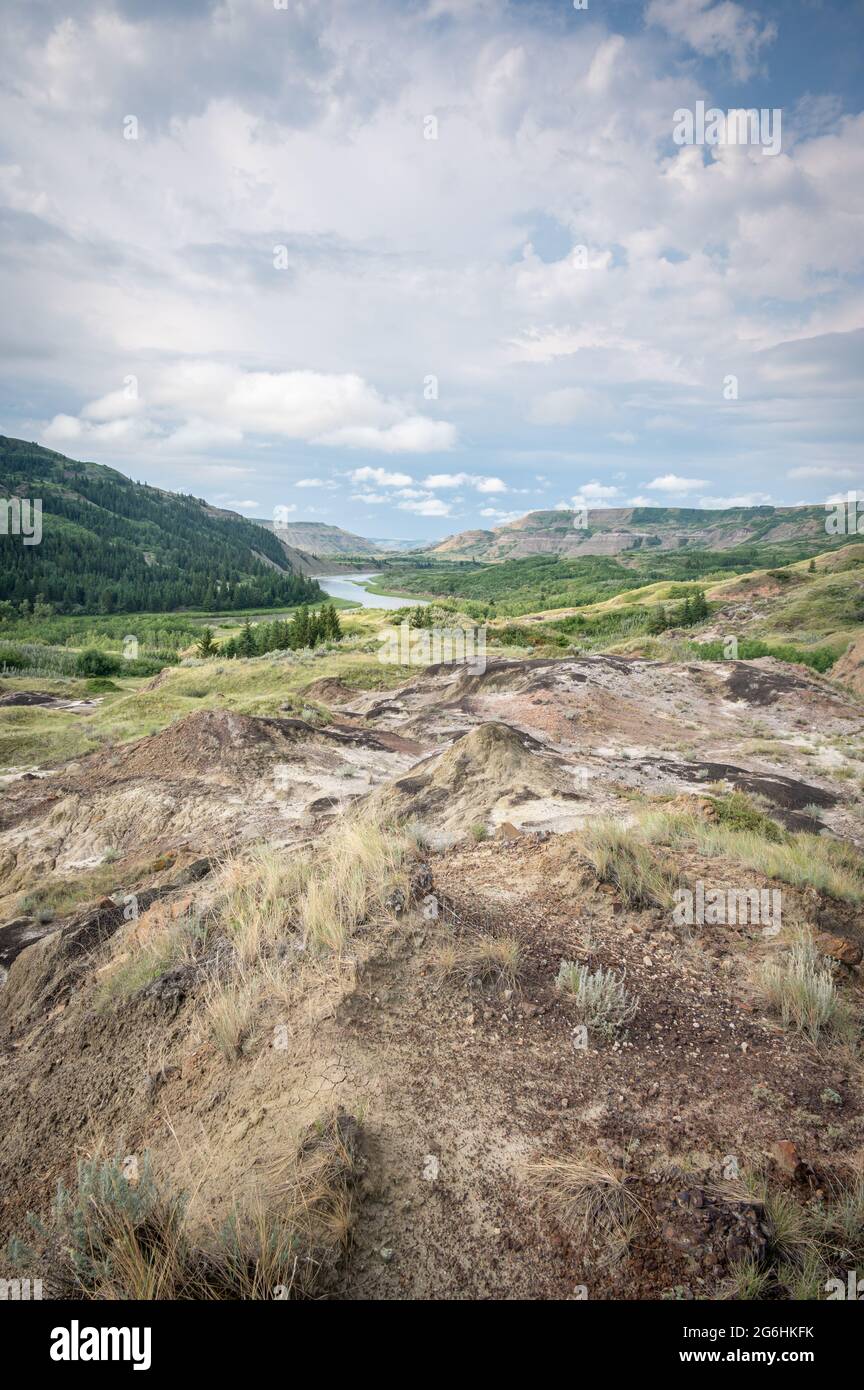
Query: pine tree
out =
(206, 645)
(333, 628)
(658, 622)
(246, 640)
(421, 617)
(300, 628)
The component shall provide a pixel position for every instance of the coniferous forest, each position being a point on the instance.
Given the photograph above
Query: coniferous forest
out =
(110, 545)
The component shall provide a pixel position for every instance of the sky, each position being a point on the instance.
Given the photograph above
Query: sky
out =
(415, 268)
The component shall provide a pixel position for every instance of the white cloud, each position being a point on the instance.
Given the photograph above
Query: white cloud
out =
(381, 477)
(218, 404)
(317, 482)
(117, 405)
(413, 436)
(670, 482)
(590, 494)
(454, 480)
(502, 517)
(431, 506)
(725, 28)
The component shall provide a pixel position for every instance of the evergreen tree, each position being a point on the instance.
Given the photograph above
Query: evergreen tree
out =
(246, 641)
(421, 617)
(206, 645)
(300, 628)
(333, 627)
(658, 622)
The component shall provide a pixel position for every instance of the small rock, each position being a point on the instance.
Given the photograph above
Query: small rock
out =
(786, 1156)
(508, 831)
(386, 1254)
(839, 948)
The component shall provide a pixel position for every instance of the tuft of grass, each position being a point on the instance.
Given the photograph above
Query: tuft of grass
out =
(599, 996)
(256, 896)
(588, 1197)
(479, 832)
(808, 1241)
(804, 1283)
(801, 990)
(487, 959)
(230, 1011)
(740, 812)
(619, 857)
(175, 944)
(323, 895)
(800, 859)
(116, 1236)
(350, 879)
(748, 1279)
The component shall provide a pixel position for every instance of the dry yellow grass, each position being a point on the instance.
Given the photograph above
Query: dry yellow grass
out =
(589, 1198)
(487, 958)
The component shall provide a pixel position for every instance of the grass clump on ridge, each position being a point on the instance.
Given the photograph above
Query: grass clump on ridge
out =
(810, 1243)
(621, 858)
(800, 859)
(739, 812)
(321, 895)
(591, 1199)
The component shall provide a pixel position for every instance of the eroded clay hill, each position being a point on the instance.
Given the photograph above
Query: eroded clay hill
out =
(226, 1018)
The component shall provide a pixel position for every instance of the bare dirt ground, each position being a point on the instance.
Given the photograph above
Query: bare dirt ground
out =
(457, 1084)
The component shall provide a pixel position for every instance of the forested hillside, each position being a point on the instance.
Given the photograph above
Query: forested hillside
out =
(112, 545)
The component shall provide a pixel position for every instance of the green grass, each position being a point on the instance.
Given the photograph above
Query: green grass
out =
(621, 858)
(801, 860)
(739, 812)
(799, 987)
(750, 648)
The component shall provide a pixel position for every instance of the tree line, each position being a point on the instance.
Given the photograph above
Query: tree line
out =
(306, 628)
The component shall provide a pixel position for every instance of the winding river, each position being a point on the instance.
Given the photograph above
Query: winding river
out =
(350, 586)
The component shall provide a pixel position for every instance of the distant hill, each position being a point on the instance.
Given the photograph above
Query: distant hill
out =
(315, 538)
(611, 531)
(110, 545)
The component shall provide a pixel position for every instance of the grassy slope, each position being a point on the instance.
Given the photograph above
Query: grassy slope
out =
(264, 685)
(809, 609)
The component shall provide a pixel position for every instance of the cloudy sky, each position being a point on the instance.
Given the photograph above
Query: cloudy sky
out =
(421, 266)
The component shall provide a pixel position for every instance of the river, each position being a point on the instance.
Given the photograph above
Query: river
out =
(350, 586)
